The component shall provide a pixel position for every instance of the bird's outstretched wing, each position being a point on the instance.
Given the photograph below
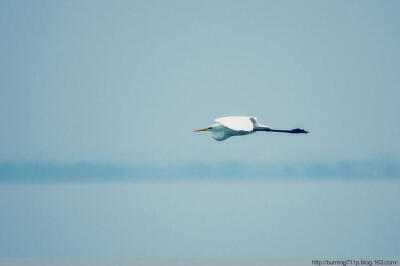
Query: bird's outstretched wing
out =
(237, 123)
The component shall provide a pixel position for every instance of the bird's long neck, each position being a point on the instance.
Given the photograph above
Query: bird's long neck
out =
(292, 131)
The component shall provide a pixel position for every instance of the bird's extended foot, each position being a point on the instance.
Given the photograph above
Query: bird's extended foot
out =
(298, 130)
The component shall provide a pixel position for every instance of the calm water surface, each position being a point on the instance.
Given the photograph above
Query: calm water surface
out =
(274, 219)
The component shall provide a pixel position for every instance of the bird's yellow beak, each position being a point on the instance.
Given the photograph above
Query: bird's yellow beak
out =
(201, 129)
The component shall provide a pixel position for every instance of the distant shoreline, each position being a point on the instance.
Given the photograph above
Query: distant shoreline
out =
(77, 172)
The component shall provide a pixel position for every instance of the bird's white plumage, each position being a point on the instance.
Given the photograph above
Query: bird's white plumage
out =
(229, 126)
(237, 123)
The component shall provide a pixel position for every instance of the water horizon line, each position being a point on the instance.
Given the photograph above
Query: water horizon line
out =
(228, 170)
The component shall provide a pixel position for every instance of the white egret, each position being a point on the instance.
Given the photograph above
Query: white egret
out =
(225, 127)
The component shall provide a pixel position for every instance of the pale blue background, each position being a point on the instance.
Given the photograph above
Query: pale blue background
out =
(126, 82)
(241, 219)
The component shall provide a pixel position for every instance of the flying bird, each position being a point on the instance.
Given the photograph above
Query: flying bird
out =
(225, 127)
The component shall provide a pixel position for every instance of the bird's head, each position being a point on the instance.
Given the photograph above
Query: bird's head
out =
(218, 131)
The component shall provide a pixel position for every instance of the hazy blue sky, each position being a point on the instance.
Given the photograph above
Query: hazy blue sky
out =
(128, 81)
